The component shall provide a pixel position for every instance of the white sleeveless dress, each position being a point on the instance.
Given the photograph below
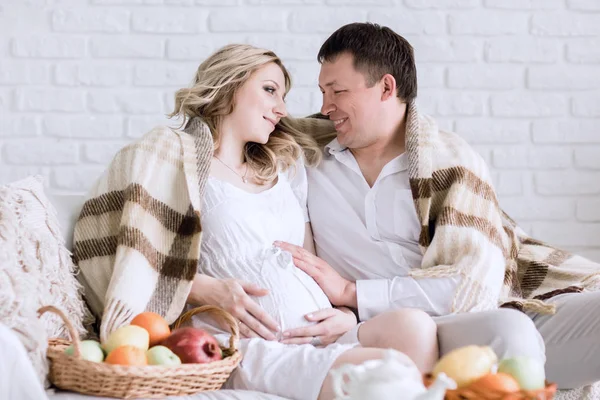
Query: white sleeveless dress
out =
(239, 229)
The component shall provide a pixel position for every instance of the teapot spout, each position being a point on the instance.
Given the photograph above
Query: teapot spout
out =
(437, 390)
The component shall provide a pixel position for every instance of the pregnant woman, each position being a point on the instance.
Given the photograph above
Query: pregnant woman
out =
(185, 216)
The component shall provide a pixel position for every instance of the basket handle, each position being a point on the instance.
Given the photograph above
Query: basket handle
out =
(233, 325)
(72, 331)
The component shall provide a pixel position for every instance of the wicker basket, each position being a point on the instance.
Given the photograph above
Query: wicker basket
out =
(101, 379)
(467, 393)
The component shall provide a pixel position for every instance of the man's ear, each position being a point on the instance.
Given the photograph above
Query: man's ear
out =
(388, 86)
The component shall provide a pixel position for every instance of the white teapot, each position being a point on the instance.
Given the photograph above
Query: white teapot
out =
(393, 377)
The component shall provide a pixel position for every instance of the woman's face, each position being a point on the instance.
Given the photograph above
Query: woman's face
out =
(259, 104)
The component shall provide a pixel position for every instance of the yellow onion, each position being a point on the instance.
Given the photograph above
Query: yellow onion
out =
(466, 364)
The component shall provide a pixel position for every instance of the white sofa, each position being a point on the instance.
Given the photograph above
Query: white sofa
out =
(18, 380)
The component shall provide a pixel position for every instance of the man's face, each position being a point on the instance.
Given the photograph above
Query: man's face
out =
(350, 104)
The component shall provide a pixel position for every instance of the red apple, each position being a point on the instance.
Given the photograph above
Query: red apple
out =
(193, 345)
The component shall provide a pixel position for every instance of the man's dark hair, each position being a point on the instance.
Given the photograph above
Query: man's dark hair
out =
(377, 50)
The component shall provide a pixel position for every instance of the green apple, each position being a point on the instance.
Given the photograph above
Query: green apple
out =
(90, 350)
(129, 335)
(161, 355)
(527, 371)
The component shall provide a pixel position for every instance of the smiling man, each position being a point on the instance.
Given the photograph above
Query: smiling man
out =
(405, 215)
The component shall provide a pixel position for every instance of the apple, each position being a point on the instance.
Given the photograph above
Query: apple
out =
(193, 345)
(161, 355)
(129, 335)
(90, 350)
(527, 371)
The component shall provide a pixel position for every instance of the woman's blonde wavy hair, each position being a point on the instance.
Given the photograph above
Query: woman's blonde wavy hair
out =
(212, 97)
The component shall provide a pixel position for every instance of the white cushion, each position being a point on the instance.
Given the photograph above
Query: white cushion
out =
(35, 268)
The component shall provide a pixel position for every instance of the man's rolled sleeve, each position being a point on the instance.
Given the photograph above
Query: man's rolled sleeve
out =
(372, 297)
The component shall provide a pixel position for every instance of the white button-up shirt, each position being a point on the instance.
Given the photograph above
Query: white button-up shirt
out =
(370, 234)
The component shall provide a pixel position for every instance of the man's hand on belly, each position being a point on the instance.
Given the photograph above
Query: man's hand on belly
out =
(340, 291)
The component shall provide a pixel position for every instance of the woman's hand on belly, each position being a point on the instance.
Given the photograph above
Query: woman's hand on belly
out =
(233, 296)
(331, 323)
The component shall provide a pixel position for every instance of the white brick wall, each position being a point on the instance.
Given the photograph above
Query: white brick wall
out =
(519, 79)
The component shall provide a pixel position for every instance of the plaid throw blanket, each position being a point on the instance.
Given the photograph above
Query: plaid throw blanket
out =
(137, 239)
(465, 232)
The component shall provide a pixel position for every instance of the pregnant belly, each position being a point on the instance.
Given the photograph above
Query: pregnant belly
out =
(292, 295)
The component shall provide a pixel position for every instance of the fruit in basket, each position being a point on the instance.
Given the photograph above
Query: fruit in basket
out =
(157, 327)
(529, 372)
(466, 364)
(499, 382)
(127, 355)
(193, 345)
(161, 355)
(127, 335)
(90, 350)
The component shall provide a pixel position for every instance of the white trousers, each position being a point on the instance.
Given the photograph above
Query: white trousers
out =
(509, 332)
(572, 338)
(295, 372)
